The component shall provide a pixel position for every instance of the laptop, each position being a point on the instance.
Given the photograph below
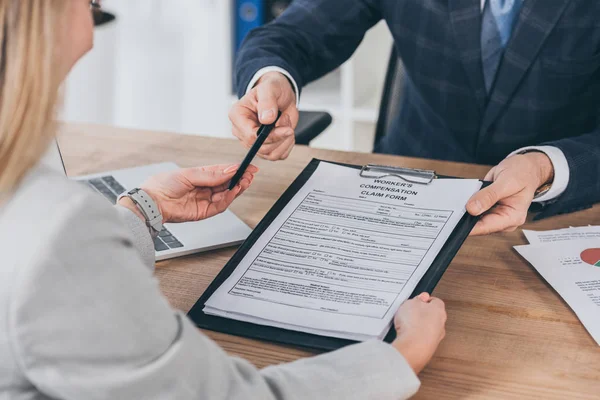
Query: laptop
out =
(174, 240)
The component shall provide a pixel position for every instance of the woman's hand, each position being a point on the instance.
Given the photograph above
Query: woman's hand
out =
(193, 194)
(420, 326)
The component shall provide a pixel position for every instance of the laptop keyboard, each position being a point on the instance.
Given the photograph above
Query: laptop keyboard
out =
(108, 187)
(111, 189)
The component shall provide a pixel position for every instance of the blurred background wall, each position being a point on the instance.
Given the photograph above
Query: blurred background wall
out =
(167, 65)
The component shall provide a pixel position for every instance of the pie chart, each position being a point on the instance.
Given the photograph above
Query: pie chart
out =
(591, 256)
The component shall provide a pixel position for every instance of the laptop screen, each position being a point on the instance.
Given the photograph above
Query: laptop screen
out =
(53, 159)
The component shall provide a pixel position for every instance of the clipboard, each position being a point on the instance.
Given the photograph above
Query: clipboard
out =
(312, 341)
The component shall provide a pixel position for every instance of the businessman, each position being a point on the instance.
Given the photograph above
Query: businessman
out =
(512, 83)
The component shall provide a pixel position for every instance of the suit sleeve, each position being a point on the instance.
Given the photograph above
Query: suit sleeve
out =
(88, 321)
(583, 191)
(310, 39)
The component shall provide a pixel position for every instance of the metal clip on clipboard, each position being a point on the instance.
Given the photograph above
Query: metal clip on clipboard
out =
(417, 176)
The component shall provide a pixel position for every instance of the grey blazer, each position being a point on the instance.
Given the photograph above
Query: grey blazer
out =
(82, 317)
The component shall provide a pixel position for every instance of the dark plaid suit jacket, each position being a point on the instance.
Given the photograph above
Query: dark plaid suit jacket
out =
(547, 90)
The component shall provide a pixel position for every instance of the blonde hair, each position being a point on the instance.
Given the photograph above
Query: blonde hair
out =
(29, 84)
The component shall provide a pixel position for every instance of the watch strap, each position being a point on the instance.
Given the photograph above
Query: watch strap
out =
(147, 207)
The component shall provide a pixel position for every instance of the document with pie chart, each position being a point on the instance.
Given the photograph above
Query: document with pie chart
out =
(572, 268)
(562, 235)
(591, 257)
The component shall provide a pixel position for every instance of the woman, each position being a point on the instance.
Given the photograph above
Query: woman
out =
(82, 316)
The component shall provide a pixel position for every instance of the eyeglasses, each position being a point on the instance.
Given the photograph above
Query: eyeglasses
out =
(101, 17)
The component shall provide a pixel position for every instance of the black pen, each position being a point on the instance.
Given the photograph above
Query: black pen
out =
(263, 133)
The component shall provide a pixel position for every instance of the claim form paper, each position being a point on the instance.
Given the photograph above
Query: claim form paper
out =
(343, 254)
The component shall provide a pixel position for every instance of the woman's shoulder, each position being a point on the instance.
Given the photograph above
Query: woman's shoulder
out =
(74, 279)
(55, 230)
(48, 209)
(51, 216)
(45, 199)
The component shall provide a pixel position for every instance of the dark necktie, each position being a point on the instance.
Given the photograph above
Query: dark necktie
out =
(499, 17)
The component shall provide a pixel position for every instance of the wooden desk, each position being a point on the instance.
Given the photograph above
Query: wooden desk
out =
(509, 335)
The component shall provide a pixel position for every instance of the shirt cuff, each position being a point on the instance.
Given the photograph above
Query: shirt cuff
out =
(266, 70)
(561, 171)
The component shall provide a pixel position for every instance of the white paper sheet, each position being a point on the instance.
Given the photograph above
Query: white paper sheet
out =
(561, 235)
(572, 268)
(344, 254)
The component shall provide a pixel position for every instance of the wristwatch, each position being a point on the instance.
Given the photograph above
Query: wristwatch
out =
(147, 207)
(542, 190)
(545, 188)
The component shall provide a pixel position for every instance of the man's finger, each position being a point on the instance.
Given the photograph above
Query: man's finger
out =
(285, 121)
(246, 141)
(289, 151)
(282, 149)
(487, 197)
(268, 149)
(491, 223)
(278, 135)
(245, 121)
(293, 116)
(267, 107)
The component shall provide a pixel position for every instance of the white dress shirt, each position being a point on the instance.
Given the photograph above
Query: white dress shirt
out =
(556, 156)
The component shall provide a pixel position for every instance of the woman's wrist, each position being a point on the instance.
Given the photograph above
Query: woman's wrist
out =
(130, 205)
(157, 200)
(407, 350)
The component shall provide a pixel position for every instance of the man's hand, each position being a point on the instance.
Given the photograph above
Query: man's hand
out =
(506, 201)
(193, 194)
(260, 106)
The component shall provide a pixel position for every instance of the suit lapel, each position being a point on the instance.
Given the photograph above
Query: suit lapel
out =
(535, 23)
(465, 17)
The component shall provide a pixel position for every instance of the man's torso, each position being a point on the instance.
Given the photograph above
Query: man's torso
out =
(547, 86)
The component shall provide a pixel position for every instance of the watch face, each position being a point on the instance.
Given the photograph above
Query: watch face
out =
(543, 190)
